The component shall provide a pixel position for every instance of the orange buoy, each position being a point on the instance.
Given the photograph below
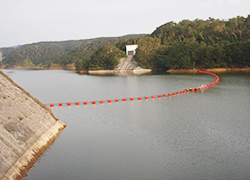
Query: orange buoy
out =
(69, 104)
(85, 103)
(174, 93)
(184, 91)
(51, 105)
(153, 96)
(116, 100)
(169, 94)
(139, 98)
(60, 104)
(124, 99)
(164, 95)
(181, 92)
(131, 99)
(146, 97)
(188, 90)
(77, 103)
(109, 101)
(93, 102)
(178, 92)
(159, 96)
(101, 101)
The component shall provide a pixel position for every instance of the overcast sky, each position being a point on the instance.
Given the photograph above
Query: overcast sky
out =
(29, 21)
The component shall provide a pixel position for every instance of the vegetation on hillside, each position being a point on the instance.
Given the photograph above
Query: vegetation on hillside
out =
(212, 43)
(38, 54)
(107, 57)
(83, 52)
(55, 54)
(6, 51)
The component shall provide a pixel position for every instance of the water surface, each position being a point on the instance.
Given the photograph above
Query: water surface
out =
(203, 135)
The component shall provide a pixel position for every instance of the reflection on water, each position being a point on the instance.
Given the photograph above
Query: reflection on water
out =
(203, 135)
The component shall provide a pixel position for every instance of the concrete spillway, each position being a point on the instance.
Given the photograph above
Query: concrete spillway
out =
(27, 128)
(127, 63)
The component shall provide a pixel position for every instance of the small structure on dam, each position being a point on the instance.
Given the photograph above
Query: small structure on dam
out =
(27, 128)
(127, 64)
(130, 49)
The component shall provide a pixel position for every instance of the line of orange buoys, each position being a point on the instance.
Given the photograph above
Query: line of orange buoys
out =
(146, 97)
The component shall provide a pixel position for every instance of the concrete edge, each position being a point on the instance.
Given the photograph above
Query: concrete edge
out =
(25, 162)
(119, 71)
(142, 70)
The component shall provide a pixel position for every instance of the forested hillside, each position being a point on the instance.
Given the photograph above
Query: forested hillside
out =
(54, 54)
(107, 56)
(6, 51)
(212, 43)
(38, 54)
(83, 52)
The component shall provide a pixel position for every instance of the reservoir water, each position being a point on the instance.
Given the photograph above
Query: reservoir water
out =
(197, 135)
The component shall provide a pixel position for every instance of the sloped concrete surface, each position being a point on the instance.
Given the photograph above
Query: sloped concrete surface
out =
(125, 64)
(27, 128)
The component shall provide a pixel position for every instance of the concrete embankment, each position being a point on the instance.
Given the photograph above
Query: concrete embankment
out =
(27, 128)
(126, 66)
(135, 71)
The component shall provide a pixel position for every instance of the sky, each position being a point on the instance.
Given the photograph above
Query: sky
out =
(29, 21)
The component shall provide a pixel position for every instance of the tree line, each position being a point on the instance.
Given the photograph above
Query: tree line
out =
(212, 43)
(38, 54)
(55, 54)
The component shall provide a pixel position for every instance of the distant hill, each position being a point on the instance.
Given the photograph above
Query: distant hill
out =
(47, 54)
(212, 43)
(38, 53)
(84, 51)
(17, 46)
(4, 52)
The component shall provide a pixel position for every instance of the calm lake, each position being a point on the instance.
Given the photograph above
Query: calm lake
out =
(197, 135)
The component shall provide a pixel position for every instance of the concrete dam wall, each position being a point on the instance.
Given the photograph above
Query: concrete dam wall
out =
(27, 128)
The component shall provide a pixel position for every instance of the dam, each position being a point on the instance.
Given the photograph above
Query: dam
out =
(27, 128)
